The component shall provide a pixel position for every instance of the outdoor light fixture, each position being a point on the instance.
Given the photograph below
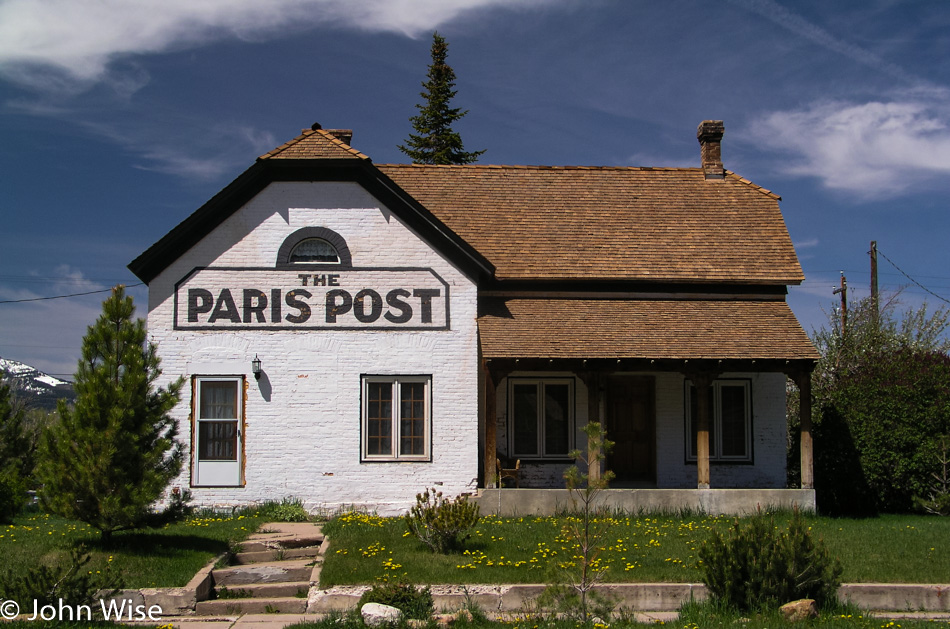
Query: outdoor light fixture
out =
(256, 367)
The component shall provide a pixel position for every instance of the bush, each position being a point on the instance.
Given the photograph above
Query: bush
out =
(881, 402)
(440, 523)
(404, 596)
(755, 566)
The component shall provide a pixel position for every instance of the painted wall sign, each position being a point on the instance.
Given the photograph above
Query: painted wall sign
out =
(223, 298)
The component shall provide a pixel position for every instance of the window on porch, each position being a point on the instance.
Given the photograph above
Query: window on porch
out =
(541, 417)
(730, 429)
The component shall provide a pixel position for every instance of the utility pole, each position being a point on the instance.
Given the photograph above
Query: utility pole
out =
(843, 291)
(874, 281)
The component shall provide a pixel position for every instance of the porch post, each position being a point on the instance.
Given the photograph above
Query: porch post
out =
(803, 380)
(703, 384)
(491, 428)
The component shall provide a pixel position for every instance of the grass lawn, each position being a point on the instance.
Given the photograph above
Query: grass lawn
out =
(691, 617)
(367, 549)
(149, 558)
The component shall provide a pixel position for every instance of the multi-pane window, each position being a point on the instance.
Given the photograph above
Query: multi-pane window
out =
(730, 421)
(541, 417)
(396, 418)
(218, 414)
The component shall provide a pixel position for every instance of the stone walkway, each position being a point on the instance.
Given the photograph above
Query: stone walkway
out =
(272, 573)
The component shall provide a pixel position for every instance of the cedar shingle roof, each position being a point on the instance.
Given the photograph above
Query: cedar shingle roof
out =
(660, 329)
(648, 224)
(314, 144)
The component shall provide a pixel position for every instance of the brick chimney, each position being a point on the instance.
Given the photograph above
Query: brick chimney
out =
(343, 135)
(709, 135)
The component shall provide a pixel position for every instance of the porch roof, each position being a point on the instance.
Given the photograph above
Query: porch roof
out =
(652, 329)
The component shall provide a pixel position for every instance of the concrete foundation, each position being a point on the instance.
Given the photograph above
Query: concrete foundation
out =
(520, 502)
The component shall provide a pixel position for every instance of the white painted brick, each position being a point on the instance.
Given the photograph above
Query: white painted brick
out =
(302, 435)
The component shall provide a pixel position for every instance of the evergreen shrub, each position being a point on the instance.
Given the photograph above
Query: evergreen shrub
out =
(755, 566)
(414, 603)
(441, 524)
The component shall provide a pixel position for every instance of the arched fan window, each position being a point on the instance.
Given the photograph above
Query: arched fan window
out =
(314, 247)
(314, 251)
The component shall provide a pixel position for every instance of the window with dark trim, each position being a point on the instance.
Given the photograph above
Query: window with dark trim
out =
(730, 421)
(540, 417)
(397, 418)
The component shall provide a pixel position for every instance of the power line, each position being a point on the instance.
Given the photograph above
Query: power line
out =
(92, 292)
(912, 279)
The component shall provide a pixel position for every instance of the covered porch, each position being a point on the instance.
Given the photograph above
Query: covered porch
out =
(692, 392)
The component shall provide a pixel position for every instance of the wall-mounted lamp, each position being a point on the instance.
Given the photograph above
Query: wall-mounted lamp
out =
(256, 367)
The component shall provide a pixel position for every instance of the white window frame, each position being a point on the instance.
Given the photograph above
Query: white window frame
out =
(540, 383)
(396, 382)
(715, 422)
(214, 472)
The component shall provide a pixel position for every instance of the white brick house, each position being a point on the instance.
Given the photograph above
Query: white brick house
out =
(414, 323)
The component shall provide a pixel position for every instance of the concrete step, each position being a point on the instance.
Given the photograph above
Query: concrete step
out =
(280, 554)
(293, 570)
(237, 606)
(254, 544)
(290, 589)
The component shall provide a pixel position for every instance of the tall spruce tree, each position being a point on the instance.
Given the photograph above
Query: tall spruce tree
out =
(434, 141)
(110, 457)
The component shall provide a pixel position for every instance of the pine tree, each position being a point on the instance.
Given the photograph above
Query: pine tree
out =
(110, 457)
(434, 141)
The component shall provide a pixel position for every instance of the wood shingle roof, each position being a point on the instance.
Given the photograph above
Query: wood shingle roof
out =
(644, 224)
(314, 144)
(641, 329)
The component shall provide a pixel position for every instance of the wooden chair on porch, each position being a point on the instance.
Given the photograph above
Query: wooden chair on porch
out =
(511, 472)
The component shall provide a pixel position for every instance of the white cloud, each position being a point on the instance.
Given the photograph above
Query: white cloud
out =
(56, 45)
(874, 149)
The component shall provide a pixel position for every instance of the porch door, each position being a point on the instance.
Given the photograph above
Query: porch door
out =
(631, 425)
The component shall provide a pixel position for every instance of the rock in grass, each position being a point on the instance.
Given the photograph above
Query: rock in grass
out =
(797, 611)
(379, 615)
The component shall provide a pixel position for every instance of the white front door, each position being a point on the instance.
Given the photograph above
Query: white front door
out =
(218, 439)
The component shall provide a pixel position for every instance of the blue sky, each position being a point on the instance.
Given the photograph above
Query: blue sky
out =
(118, 119)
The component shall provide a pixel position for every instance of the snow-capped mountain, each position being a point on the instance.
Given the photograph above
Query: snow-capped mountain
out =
(36, 387)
